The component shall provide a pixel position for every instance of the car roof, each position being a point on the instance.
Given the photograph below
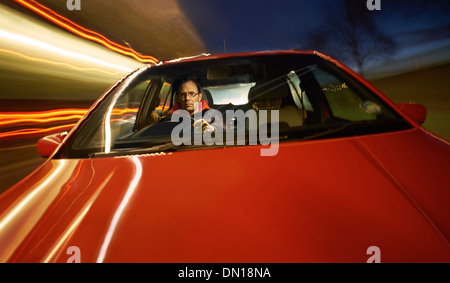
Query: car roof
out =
(206, 56)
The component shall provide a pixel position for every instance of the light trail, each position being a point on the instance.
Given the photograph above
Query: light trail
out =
(35, 131)
(42, 114)
(83, 32)
(56, 63)
(41, 120)
(57, 112)
(123, 204)
(52, 116)
(48, 47)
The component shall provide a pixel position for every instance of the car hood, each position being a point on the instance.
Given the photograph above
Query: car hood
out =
(315, 201)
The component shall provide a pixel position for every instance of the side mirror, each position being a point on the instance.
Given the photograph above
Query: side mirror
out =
(417, 112)
(48, 144)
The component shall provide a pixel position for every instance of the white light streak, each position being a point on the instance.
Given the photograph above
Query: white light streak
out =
(120, 209)
(111, 108)
(47, 47)
(24, 202)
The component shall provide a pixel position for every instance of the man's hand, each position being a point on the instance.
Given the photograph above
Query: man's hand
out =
(201, 126)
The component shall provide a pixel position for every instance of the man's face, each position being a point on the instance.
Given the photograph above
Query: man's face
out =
(187, 94)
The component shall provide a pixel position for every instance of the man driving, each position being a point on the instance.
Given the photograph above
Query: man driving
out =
(187, 91)
(189, 97)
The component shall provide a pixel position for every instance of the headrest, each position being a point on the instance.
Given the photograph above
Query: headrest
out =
(206, 95)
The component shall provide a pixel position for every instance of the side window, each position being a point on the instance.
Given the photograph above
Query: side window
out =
(344, 102)
(122, 115)
(155, 105)
(164, 99)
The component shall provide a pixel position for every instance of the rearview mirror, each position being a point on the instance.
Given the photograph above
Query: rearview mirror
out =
(48, 144)
(417, 112)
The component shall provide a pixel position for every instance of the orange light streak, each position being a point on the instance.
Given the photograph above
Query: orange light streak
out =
(44, 120)
(57, 112)
(125, 110)
(85, 33)
(41, 114)
(29, 189)
(35, 131)
(47, 214)
(56, 63)
(7, 119)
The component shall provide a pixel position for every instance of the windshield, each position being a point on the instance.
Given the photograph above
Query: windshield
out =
(233, 101)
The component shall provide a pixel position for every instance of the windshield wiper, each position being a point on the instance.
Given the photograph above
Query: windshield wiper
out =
(163, 147)
(354, 128)
(328, 132)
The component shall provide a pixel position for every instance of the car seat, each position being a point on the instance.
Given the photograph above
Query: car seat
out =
(275, 94)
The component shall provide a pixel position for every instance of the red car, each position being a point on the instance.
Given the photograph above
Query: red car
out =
(305, 162)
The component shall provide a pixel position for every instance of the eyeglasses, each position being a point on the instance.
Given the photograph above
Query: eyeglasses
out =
(190, 94)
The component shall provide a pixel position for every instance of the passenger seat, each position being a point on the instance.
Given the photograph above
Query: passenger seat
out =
(276, 95)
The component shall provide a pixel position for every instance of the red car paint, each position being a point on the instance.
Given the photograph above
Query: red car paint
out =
(325, 200)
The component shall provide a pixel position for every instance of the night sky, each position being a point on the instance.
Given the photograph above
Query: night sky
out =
(249, 25)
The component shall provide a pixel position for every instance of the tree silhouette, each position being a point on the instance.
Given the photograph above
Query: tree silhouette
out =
(351, 37)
